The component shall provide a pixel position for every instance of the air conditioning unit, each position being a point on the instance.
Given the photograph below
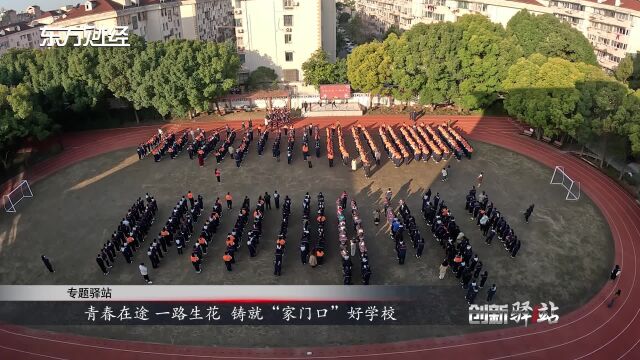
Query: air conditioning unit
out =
(240, 30)
(288, 29)
(238, 11)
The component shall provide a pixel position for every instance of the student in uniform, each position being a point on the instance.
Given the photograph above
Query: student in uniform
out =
(103, 267)
(227, 260)
(229, 199)
(217, 172)
(276, 199)
(195, 261)
(47, 263)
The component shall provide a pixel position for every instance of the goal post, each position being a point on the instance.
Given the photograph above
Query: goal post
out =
(560, 177)
(21, 191)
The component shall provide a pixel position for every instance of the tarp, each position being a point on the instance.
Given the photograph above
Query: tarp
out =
(329, 92)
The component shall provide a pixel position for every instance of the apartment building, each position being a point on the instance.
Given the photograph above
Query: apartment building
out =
(19, 36)
(612, 26)
(155, 19)
(282, 34)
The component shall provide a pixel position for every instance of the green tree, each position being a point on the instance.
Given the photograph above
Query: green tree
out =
(116, 70)
(426, 63)
(549, 36)
(544, 94)
(368, 69)
(393, 29)
(14, 66)
(318, 70)
(631, 112)
(20, 118)
(624, 70)
(599, 108)
(485, 54)
(263, 78)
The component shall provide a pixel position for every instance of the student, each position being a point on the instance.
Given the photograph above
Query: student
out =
(217, 172)
(47, 263)
(145, 273)
(528, 213)
(229, 199)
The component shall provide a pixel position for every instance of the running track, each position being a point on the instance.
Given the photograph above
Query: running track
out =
(591, 332)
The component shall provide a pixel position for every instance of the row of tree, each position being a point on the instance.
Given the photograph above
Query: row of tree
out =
(42, 88)
(544, 70)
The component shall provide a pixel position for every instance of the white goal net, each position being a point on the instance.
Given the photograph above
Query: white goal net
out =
(560, 177)
(10, 200)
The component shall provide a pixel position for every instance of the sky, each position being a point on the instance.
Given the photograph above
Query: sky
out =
(21, 5)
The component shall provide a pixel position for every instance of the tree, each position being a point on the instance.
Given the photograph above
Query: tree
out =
(485, 54)
(368, 69)
(393, 29)
(624, 70)
(14, 66)
(426, 63)
(599, 107)
(542, 92)
(318, 70)
(20, 118)
(631, 112)
(343, 18)
(116, 70)
(263, 78)
(549, 36)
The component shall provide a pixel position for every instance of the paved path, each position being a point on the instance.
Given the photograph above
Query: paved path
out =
(591, 332)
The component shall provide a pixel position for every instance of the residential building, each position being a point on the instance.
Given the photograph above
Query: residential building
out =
(282, 34)
(19, 36)
(612, 26)
(155, 19)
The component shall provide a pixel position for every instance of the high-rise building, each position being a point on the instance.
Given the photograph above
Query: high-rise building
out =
(282, 34)
(612, 26)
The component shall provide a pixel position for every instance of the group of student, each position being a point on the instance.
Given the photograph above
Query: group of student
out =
(281, 241)
(330, 153)
(171, 144)
(406, 222)
(364, 154)
(130, 234)
(147, 147)
(459, 255)
(234, 238)
(341, 145)
(277, 117)
(453, 137)
(243, 148)
(202, 145)
(394, 153)
(491, 222)
(263, 136)
(356, 246)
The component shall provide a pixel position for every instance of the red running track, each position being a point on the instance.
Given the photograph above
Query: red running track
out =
(591, 332)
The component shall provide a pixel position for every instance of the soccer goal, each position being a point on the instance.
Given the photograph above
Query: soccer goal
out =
(561, 178)
(10, 200)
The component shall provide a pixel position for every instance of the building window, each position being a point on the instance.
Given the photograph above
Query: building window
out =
(238, 22)
(290, 75)
(288, 56)
(287, 38)
(134, 22)
(242, 58)
(288, 3)
(288, 20)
